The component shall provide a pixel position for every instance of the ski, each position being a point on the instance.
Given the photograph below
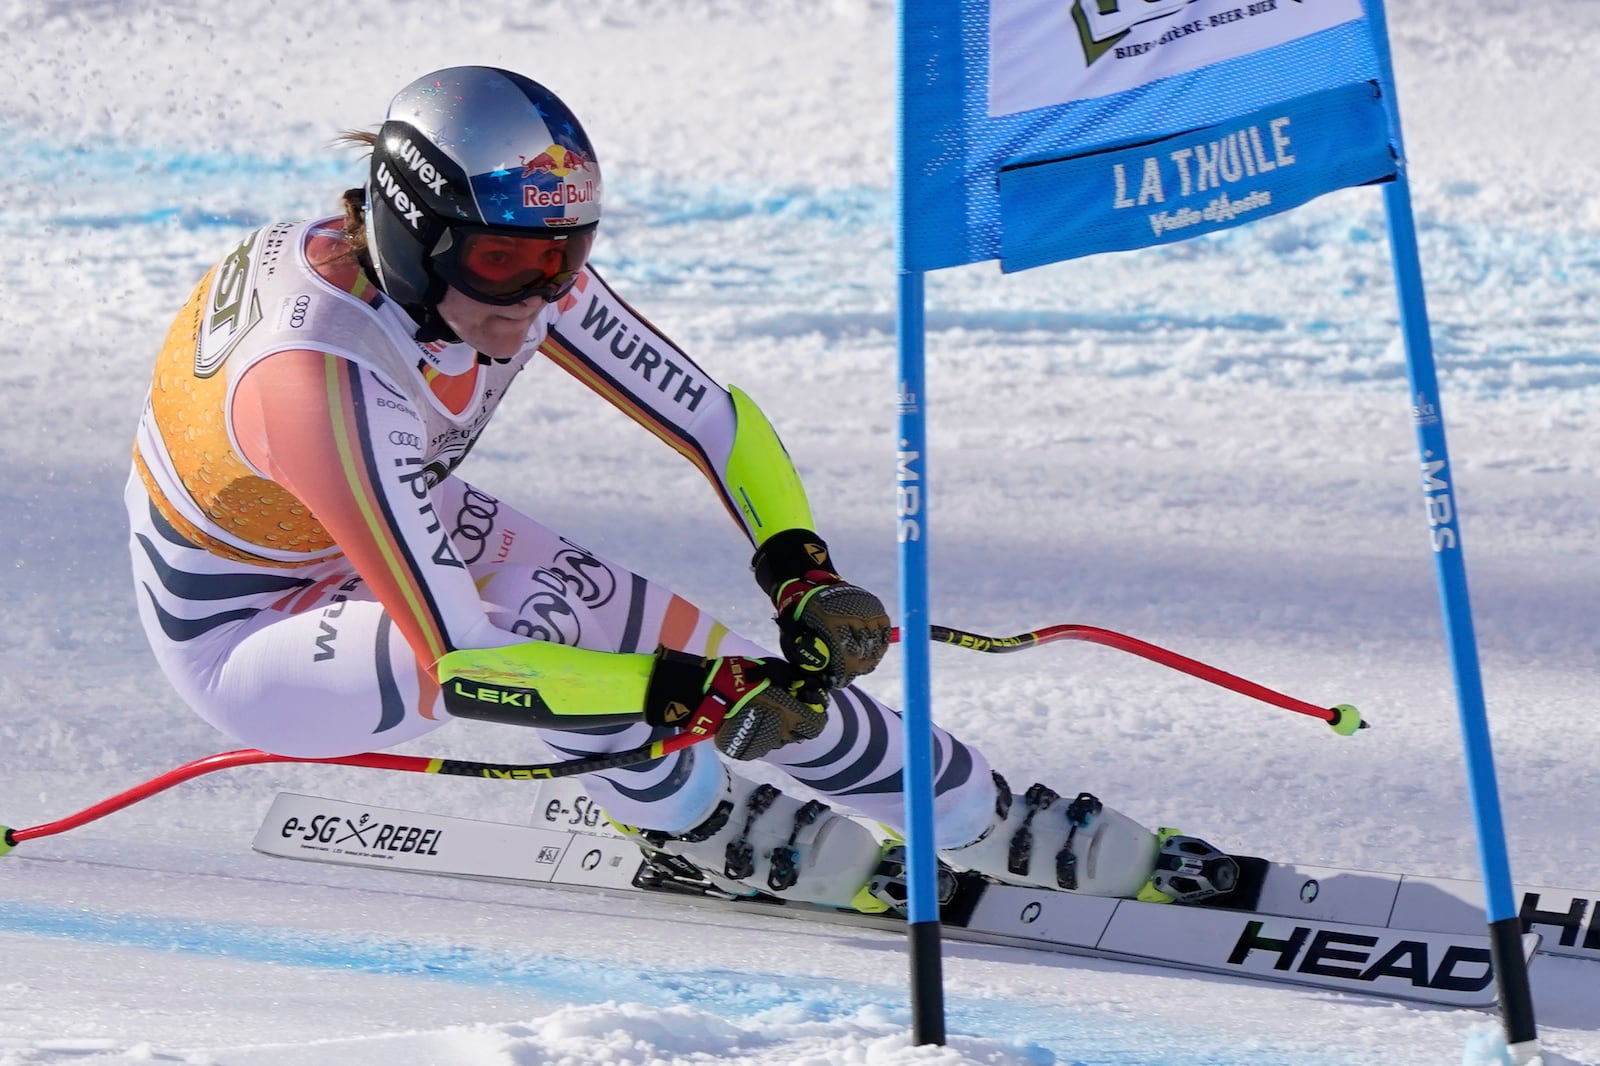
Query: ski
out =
(1372, 934)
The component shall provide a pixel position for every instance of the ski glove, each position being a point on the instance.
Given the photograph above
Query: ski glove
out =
(752, 705)
(829, 629)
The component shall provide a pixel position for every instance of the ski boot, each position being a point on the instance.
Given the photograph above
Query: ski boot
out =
(759, 841)
(1084, 846)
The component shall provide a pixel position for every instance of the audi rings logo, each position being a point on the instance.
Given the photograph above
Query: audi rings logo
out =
(405, 440)
(474, 523)
(297, 313)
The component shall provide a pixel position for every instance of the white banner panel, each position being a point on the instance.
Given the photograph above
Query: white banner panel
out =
(1046, 52)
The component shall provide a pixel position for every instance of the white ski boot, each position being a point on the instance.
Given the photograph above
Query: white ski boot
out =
(1084, 846)
(759, 840)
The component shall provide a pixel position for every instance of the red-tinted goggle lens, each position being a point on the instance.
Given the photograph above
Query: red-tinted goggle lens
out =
(500, 269)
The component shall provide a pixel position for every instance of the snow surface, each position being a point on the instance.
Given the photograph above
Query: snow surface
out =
(1206, 446)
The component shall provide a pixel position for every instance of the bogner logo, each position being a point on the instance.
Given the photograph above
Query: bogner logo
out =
(1359, 957)
(232, 308)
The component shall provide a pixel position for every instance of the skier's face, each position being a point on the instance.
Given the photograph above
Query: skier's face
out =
(504, 268)
(494, 330)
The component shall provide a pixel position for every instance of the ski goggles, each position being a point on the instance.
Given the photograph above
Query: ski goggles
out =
(503, 269)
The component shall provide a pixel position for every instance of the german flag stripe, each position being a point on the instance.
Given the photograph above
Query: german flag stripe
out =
(714, 639)
(678, 625)
(354, 459)
(584, 370)
(427, 693)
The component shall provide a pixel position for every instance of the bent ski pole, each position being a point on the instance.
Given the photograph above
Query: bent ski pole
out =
(1342, 718)
(227, 760)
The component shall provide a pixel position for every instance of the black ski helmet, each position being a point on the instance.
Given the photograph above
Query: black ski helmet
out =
(472, 148)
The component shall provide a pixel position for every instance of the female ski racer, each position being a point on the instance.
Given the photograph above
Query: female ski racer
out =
(316, 580)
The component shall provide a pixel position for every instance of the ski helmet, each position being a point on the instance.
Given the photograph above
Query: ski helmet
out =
(468, 157)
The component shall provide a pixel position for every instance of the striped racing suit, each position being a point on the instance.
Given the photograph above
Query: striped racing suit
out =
(304, 551)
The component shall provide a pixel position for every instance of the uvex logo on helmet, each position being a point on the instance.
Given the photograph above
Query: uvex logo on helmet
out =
(397, 196)
(423, 170)
(403, 159)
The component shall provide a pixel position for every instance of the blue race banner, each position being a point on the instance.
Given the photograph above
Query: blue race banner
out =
(1120, 198)
(1040, 130)
(988, 85)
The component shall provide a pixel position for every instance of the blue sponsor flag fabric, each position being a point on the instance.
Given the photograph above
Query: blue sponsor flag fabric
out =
(1040, 130)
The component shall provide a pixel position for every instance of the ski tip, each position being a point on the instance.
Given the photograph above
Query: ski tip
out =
(8, 840)
(1346, 720)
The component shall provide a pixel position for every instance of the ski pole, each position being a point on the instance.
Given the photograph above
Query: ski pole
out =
(1342, 718)
(417, 764)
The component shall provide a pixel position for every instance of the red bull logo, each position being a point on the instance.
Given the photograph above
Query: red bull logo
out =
(562, 164)
(565, 193)
(555, 161)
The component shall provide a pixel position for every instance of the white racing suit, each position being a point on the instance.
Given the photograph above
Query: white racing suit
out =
(300, 609)
(303, 553)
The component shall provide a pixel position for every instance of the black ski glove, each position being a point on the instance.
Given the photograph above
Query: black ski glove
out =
(752, 705)
(829, 629)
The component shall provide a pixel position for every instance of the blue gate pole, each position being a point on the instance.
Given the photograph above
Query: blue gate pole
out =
(1505, 927)
(911, 499)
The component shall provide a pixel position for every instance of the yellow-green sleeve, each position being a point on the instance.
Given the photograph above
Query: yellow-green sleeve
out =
(615, 351)
(547, 685)
(760, 476)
